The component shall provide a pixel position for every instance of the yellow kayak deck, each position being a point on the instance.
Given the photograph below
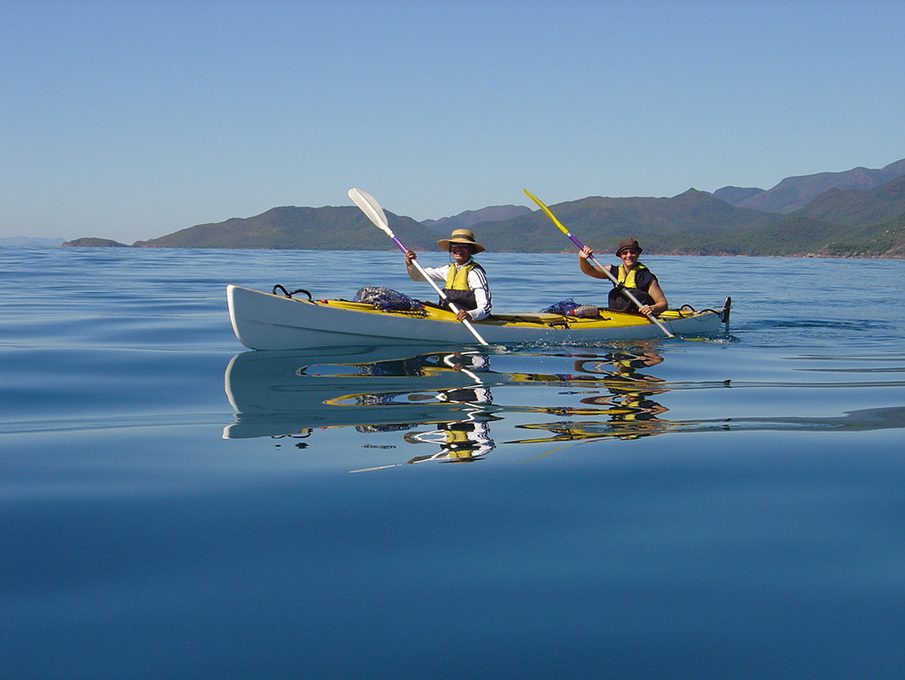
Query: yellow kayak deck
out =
(605, 318)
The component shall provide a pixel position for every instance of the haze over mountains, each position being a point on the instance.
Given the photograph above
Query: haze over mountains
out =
(859, 212)
(30, 242)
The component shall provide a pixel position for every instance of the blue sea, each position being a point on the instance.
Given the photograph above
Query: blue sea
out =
(173, 505)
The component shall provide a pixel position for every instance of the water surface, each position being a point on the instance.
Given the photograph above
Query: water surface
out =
(174, 504)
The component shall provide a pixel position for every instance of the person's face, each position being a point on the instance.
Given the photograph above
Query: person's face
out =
(460, 252)
(629, 256)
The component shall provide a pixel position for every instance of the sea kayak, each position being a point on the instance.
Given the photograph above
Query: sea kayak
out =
(268, 321)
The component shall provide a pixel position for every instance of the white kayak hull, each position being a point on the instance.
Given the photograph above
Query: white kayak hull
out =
(265, 321)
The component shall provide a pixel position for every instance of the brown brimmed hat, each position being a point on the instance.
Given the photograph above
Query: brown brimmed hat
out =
(465, 236)
(628, 243)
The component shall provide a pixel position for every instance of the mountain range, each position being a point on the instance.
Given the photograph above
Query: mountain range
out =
(856, 213)
(794, 193)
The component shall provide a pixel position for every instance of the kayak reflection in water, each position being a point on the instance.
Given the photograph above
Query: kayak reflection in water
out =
(469, 439)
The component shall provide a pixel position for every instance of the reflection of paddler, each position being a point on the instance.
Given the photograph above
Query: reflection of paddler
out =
(622, 401)
(629, 405)
(465, 440)
(460, 442)
(563, 431)
(467, 363)
(610, 369)
(629, 390)
(622, 365)
(641, 424)
(639, 409)
(632, 415)
(629, 410)
(613, 429)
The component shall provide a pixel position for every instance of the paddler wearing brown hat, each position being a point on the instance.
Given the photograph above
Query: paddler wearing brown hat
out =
(632, 275)
(465, 280)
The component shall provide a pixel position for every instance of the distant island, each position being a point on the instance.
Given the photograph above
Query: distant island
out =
(93, 242)
(856, 213)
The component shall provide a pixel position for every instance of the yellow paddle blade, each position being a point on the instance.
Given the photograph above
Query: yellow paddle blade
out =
(546, 210)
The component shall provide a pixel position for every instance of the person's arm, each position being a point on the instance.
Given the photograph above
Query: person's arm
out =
(660, 303)
(413, 272)
(588, 268)
(415, 275)
(410, 269)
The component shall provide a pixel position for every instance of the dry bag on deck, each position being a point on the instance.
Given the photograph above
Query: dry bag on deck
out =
(569, 307)
(388, 300)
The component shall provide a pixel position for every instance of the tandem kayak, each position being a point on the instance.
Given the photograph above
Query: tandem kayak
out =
(267, 321)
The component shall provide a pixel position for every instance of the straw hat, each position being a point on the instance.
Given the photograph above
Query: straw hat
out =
(465, 236)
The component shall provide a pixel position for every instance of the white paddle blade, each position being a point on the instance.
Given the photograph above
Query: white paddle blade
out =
(371, 208)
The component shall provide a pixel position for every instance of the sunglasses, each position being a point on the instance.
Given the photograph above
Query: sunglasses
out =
(626, 251)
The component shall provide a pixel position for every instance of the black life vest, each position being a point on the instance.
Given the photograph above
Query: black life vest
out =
(637, 281)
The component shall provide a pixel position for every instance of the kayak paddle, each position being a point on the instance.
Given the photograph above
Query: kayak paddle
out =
(599, 266)
(371, 208)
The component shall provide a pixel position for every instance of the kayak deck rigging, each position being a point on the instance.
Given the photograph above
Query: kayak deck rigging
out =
(433, 312)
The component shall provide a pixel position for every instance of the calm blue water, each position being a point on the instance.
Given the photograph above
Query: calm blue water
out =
(173, 505)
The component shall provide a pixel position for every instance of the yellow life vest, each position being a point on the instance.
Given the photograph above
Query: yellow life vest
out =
(457, 277)
(628, 279)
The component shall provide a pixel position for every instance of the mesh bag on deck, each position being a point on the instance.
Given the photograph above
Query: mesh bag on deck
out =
(569, 307)
(388, 300)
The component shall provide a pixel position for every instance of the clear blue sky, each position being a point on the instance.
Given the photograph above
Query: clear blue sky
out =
(130, 119)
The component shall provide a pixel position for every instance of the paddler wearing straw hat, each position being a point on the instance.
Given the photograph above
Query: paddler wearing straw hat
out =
(465, 280)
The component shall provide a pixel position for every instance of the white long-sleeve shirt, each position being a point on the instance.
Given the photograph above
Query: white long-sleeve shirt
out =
(477, 282)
